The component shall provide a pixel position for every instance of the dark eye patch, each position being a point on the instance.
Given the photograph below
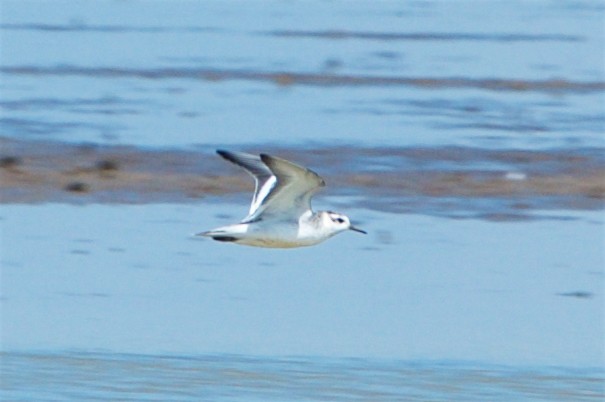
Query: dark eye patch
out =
(339, 220)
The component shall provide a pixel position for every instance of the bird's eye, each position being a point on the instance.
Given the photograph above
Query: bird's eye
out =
(339, 220)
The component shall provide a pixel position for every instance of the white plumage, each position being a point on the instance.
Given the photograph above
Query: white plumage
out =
(280, 212)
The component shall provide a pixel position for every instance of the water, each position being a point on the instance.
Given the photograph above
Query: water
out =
(116, 302)
(127, 285)
(502, 75)
(94, 376)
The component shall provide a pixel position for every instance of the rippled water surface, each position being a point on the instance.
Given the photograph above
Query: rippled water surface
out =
(91, 377)
(466, 137)
(512, 74)
(504, 303)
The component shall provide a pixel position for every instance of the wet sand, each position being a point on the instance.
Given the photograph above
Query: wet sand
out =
(287, 78)
(453, 181)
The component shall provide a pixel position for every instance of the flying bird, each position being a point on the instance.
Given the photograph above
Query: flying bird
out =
(280, 214)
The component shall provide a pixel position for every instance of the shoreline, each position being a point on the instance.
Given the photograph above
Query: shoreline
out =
(287, 78)
(453, 181)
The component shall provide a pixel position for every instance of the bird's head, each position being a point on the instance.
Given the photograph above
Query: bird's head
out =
(339, 222)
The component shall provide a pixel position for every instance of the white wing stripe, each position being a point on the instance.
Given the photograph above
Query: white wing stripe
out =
(262, 193)
(282, 187)
(261, 173)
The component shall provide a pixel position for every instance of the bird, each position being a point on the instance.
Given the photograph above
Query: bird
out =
(280, 214)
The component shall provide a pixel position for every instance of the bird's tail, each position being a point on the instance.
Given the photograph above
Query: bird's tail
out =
(225, 233)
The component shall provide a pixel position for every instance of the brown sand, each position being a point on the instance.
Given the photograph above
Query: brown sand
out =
(393, 179)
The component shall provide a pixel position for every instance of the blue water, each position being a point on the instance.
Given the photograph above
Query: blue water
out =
(170, 74)
(130, 279)
(97, 376)
(117, 302)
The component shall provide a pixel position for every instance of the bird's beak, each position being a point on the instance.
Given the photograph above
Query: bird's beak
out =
(357, 229)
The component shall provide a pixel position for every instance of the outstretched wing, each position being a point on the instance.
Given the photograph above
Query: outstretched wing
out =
(291, 195)
(283, 188)
(263, 177)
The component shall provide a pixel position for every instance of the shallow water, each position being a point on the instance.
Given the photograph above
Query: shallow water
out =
(102, 376)
(506, 75)
(130, 279)
(117, 302)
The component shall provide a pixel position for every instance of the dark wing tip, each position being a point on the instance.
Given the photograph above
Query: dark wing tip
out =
(228, 155)
(270, 162)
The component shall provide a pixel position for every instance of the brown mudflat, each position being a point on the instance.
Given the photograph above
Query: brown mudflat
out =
(496, 184)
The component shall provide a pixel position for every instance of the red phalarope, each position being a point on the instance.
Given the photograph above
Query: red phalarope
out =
(280, 215)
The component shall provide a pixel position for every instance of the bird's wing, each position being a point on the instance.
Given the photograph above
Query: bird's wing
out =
(291, 195)
(263, 177)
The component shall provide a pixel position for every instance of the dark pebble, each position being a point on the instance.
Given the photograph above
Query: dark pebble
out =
(107, 165)
(9, 161)
(77, 187)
